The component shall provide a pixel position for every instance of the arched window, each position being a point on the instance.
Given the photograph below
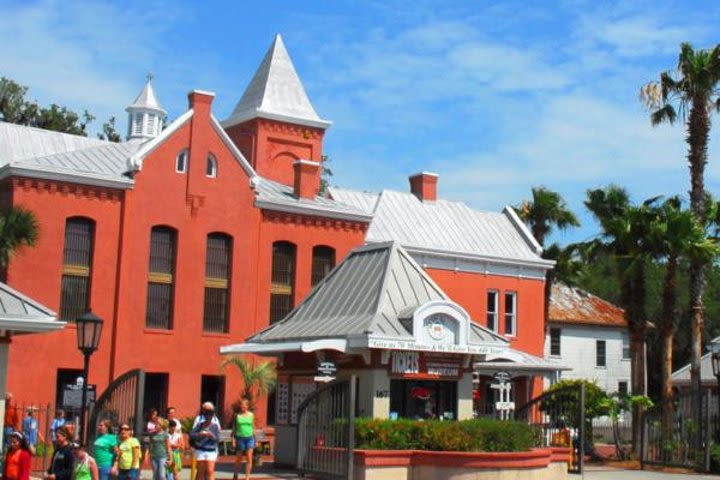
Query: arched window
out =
(323, 260)
(161, 278)
(211, 168)
(283, 280)
(217, 283)
(77, 264)
(181, 162)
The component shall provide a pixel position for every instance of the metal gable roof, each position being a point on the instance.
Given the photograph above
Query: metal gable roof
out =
(367, 294)
(276, 92)
(20, 142)
(278, 196)
(21, 314)
(103, 161)
(443, 226)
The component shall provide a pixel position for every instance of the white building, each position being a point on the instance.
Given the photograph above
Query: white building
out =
(590, 336)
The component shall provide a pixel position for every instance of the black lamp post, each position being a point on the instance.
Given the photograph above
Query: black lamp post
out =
(89, 328)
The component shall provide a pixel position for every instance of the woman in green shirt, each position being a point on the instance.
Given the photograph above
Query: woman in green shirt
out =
(105, 450)
(243, 438)
(85, 466)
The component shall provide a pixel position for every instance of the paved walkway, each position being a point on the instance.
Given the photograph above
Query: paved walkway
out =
(607, 473)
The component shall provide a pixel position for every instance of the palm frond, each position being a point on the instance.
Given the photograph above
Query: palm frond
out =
(664, 114)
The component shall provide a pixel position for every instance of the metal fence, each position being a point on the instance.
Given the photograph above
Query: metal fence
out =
(35, 421)
(558, 418)
(680, 433)
(326, 438)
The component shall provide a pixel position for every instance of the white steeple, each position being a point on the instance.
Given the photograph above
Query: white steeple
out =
(145, 115)
(276, 92)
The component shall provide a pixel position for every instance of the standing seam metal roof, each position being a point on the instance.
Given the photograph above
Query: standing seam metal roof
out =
(365, 294)
(441, 225)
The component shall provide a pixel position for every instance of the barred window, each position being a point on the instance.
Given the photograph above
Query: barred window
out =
(283, 280)
(161, 278)
(217, 283)
(322, 262)
(77, 261)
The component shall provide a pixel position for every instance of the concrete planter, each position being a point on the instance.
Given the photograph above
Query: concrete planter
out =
(536, 464)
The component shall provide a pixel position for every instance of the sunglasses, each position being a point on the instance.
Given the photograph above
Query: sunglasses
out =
(124, 428)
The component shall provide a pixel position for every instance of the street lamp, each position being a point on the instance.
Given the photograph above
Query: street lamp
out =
(89, 328)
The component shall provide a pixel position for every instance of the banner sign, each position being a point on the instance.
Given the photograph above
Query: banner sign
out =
(423, 365)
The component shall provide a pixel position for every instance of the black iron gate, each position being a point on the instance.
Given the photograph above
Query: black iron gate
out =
(558, 418)
(121, 402)
(326, 431)
(677, 434)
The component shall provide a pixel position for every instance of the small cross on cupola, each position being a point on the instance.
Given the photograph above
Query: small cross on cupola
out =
(145, 115)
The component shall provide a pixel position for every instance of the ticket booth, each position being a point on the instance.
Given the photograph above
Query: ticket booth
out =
(379, 317)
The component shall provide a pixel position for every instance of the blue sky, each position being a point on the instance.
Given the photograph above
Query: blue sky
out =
(495, 97)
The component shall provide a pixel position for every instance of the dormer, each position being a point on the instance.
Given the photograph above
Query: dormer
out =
(145, 115)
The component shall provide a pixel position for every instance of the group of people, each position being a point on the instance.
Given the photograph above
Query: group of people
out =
(120, 456)
(29, 427)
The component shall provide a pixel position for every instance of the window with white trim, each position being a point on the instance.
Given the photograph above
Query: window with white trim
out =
(555, 335)
(492, 310)
(181, 162)
(510, 313)
(600, 353)
(211, 168)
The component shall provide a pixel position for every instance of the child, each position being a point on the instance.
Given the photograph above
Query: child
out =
(177, 445)
(58, 421)
(159, 450)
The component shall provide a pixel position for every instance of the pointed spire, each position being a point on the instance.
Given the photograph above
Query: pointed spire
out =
(147, 98)
(145, 114)
(276, 92)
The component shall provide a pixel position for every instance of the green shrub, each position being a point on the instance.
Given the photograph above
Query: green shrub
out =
(477, 435)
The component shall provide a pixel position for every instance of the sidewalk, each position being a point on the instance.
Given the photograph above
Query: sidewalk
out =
(608, 473)
(224, 471)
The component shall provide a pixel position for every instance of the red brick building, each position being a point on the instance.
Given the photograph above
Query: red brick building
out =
(198, 235)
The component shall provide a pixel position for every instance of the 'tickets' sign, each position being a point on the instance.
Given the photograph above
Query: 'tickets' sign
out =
(422, 365)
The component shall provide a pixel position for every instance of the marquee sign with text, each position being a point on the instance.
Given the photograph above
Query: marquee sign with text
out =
(425, 366)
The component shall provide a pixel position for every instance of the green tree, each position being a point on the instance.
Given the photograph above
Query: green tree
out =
(676, 235)
(546, 212)
(109, 132)
(257, 379)
(692, 91)
(625, 237)
(14, 108)
(325, 174)
(18, 227)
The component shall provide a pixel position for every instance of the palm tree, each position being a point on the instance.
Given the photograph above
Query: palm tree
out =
(693, 92)
(18, 227)
(625, 233)
(676, 235)
(256, 379)
(547, 211)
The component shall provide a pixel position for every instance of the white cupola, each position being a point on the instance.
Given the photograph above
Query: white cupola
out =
(145, 115)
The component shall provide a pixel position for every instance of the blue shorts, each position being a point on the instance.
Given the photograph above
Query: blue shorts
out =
(245, 443)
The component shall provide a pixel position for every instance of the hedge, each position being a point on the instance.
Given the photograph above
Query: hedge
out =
(477, 435)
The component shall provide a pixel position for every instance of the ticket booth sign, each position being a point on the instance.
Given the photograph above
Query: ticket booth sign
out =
(423, 365)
